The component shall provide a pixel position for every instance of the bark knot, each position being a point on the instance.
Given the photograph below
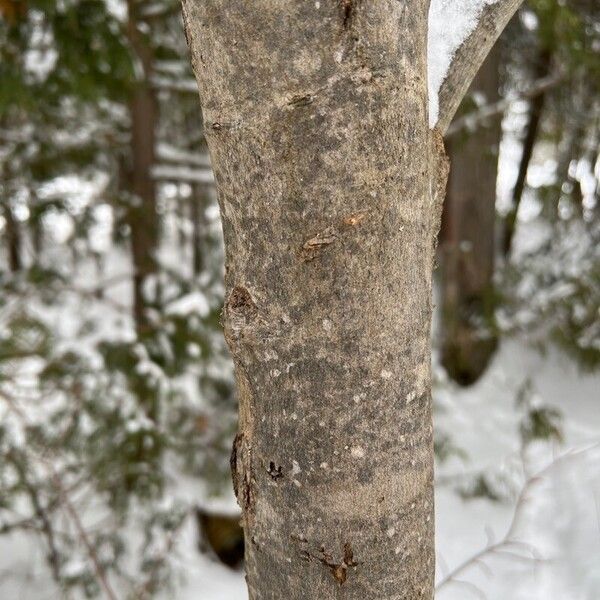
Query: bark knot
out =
(274, 471)
(300, 100)
(314, 246)
(241, 474)
(239, 312)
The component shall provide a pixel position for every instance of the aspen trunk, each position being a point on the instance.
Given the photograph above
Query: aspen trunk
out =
(316, 121)
(330, 186)
(467, 241)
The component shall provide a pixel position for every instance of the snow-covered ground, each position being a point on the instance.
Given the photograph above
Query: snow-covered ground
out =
(558, 520)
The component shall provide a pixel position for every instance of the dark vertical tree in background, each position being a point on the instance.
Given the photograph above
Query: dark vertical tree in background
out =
(467, 236)
(142, 217)
(541, 69)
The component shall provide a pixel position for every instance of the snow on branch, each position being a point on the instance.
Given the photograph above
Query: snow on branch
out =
(182, 174)
(171, 154)
(186, 86)
(461, 34)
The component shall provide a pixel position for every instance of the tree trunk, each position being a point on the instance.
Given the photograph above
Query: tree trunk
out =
(535, 113)
(13, 240)
(321, 158)
(198, 204)
(142, 217)
(330, 186)
(467, 241)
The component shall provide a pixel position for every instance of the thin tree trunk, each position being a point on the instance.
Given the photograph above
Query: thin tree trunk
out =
(467, 241)
(322, 157)
(535, 114)
(142, 216)
(13, 240)
(198, 204)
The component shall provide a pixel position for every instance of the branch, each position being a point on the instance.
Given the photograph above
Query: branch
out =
(472, 120)
(187, 85)
(509, 544)
(470, 56)
(182, 173)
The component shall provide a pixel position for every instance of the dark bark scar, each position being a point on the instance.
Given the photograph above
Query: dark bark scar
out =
(300, 100)
(347, 12)
(313, 247)
(339, 570)
(241, 475)
(274, 471)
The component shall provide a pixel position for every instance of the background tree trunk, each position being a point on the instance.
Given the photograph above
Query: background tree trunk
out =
(13, 240)
(322, 157)
(142, 217)
(467, 240)
(542, 69)
(198, 202)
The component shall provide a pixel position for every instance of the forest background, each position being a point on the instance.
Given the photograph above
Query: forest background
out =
(117, 407)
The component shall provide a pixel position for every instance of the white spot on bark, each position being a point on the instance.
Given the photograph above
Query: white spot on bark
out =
(324, 465)
(317, 5)
(411, 397)
(294, 416)
(386, 374)
(391, 532)
(327, 325)
(357, 452)
(296, 468)
(275, 373)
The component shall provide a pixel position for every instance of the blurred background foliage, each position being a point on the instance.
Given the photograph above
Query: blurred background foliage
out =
(115, 383)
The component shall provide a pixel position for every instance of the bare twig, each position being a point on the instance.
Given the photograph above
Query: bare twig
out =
(476, 118)
(70, 509)
(509, 541)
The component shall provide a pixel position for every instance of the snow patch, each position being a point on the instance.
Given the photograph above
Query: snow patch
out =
(194, 303)
(450, 23)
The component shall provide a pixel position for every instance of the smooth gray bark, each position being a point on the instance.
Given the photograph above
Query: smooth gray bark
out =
(330, 187)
